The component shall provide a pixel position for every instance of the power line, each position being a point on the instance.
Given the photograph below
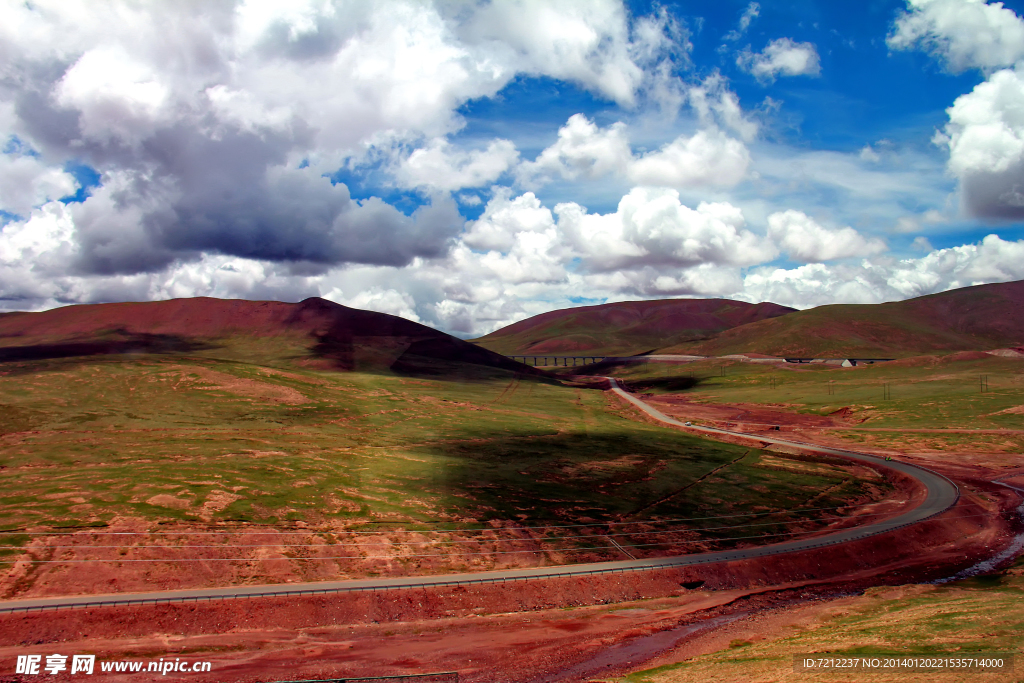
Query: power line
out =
(400, 557)
(445, 541)
(431, 531)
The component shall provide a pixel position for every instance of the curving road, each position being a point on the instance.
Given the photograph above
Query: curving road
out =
(942, 494)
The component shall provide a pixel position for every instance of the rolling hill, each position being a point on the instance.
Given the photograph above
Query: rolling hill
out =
(314, 332)
(625, 328)
(979, 318)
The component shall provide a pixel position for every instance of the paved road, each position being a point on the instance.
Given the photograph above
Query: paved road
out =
(942, 494)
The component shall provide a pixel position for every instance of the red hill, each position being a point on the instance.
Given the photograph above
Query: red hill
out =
(975, 318)
(323, 329)
(626, 327)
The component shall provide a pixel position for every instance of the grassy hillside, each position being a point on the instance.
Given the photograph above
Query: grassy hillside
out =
(255, 427)
(877, 402)
(971, 318)
(982, 615)
(627, 327)
(317, 332)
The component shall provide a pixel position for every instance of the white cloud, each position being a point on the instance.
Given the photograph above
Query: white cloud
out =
(868, 154)
(985, 137)
(26, 182)
(704, 280)
(805, 240)
(963, 33)
(782, 56)
(993, 260)
(921, 243)
(707, 158)
(388, 301)
(504, 218)
(43, 239)
(585, 41)
(520, 259)
(439, 166)
(117, 97)
(905, 224)
(202, 108)
(526, 260)
(652, 228)
(712, 98)
(749, 14)
(985, 133)
(986, 126)
(582, 150)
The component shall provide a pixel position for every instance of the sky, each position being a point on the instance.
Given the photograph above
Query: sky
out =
(470, 164)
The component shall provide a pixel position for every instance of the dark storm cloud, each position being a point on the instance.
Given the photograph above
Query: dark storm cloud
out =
(183, 191)
(998, 196)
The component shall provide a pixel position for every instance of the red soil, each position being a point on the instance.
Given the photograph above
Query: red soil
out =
(519, 632)
(502, 633)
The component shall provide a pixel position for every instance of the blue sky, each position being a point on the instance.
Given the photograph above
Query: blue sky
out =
(468, 164)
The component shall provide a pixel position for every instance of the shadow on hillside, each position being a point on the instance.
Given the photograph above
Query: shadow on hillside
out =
(674, 383)
(568, 476)
(604, 367)
(434, 358)
(125, 343)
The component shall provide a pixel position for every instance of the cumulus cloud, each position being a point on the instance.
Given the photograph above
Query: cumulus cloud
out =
(992, 260)
(805, 240)
(985, 132)
(212, 130)
(985, 137)
(708, 158)
(963, 33)
(388, 301)
(504, 218)
(782, 56)
(651, 227)
(582, 150)
(26, 182)
(34, 273)
(521, 258)
(439, 166)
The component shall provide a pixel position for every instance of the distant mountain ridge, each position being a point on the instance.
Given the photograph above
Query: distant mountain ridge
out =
(627, 327)
(335, 335)
(980, 317)
(976, 318)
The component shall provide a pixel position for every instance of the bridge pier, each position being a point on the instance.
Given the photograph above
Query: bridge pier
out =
(557, 361)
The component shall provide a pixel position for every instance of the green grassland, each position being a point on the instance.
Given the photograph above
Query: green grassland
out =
(923, 393)
(254, 434)
(982, 615)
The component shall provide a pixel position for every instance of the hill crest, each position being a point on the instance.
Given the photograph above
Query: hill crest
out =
(331, 332)
(626, 327)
